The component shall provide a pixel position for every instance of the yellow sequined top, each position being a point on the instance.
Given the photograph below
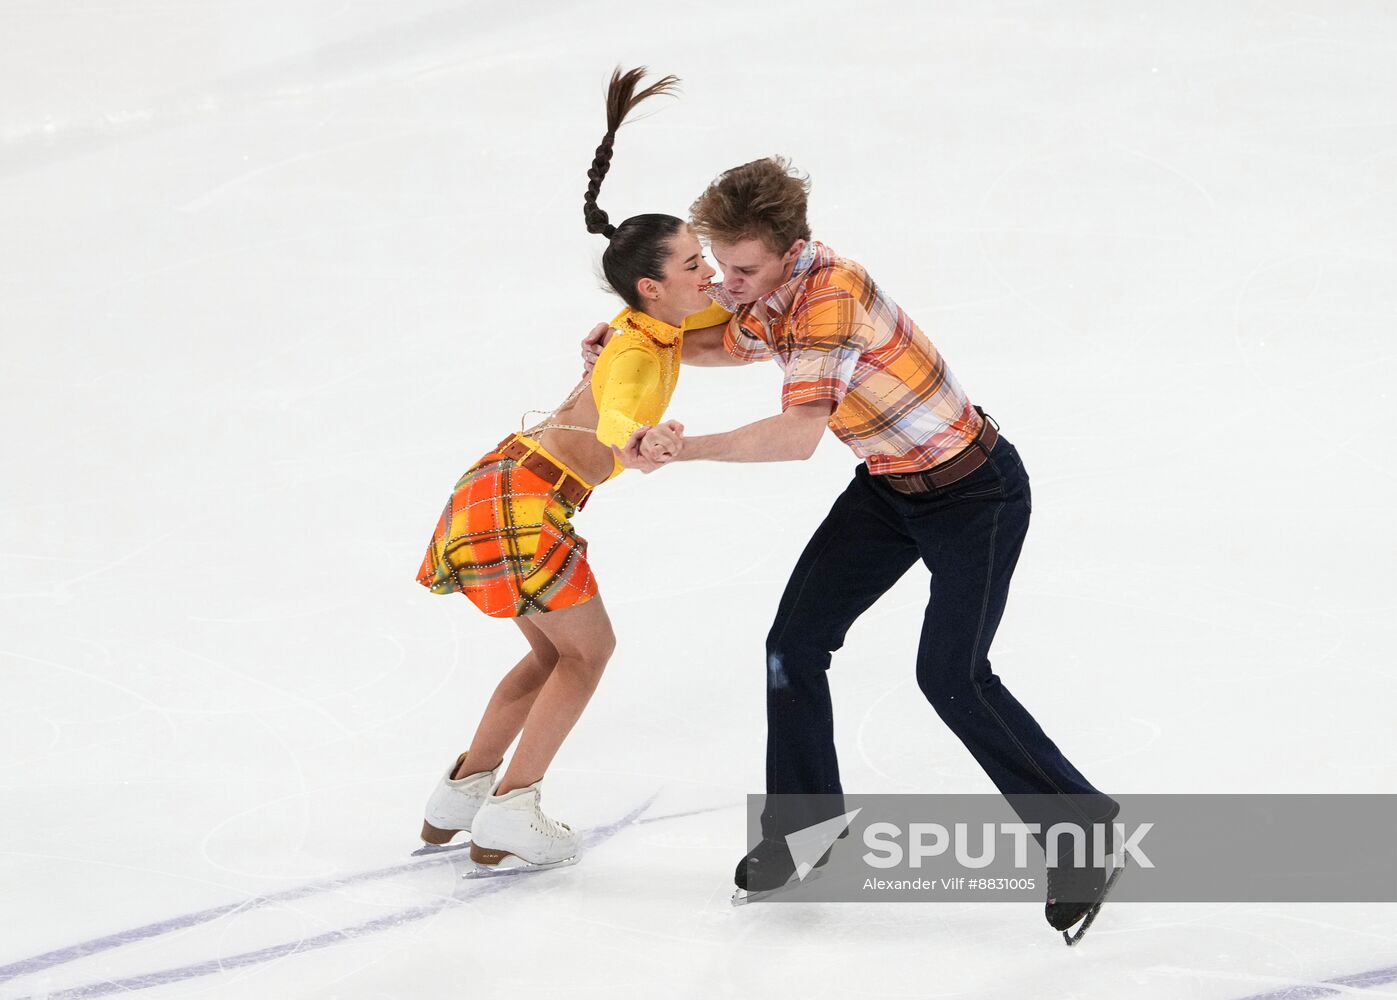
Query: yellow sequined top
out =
(635, 376)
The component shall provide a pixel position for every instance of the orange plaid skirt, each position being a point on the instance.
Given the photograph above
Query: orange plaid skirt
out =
(505, 541)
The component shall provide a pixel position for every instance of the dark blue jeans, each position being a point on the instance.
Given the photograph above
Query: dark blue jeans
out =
(969, 535)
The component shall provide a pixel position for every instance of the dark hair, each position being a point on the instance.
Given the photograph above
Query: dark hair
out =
(638, 247)
(763, 199)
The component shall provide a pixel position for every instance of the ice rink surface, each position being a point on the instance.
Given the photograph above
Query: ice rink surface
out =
(273, 274)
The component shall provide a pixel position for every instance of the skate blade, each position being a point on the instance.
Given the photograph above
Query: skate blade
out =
(1072, 938)
(512, 865)
(426, 850)
(742, 897)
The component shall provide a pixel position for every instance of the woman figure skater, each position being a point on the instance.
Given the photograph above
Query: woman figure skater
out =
(506, 539)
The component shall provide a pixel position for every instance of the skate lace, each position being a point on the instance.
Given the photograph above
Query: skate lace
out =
(548, 826)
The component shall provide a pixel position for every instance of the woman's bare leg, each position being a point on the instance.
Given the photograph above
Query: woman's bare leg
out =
(584, 641)
(510, 704)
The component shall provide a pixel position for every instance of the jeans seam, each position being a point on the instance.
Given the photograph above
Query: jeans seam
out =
(806, 578)
(786, 624)
(979, 695)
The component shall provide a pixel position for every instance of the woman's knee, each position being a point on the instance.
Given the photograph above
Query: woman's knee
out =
(598, 646)
(606, 646)
(590, 656)
(543, 655)
(584, 669)
(583, 637)
(542, 661)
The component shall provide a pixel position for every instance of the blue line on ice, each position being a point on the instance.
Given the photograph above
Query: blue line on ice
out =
(62, 956)
(1331, 987)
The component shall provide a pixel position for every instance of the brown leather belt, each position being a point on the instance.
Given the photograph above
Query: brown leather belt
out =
(571, 490)
(953, 469)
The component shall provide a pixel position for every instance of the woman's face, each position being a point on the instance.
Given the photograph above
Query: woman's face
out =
(686, 275)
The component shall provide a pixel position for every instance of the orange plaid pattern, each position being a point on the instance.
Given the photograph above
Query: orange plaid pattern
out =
(505, 541)
(840, 338)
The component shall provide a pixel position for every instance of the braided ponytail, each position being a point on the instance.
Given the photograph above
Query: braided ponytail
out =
(621, 100)
(597, 221)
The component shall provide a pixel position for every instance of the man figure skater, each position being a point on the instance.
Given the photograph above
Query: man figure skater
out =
(938, 483)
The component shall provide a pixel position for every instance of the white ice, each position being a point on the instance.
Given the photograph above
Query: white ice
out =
(273, 273)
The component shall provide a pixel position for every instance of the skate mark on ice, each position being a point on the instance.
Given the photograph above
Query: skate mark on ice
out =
(478, 888)
(72, 953)
(1331, 987)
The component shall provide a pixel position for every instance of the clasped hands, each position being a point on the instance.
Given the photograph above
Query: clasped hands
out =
(651, 447)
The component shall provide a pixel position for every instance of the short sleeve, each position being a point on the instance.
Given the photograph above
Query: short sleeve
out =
(743, 344)
(829, 332)
(632, 378)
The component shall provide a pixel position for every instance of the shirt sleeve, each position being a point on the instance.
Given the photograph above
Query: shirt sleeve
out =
(743, 344)
(634, 377)
(829, 333)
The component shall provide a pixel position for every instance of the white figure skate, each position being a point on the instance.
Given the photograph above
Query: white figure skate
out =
(454, 803)
(511, 832)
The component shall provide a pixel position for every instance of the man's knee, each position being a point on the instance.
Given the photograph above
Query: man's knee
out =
(777, 679)
(952, 692)
(790, 654)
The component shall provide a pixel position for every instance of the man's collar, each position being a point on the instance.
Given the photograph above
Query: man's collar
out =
(780, 298)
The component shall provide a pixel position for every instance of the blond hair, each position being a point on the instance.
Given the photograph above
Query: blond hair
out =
(764, 199)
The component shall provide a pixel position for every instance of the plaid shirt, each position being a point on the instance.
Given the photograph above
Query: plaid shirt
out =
(840, 338)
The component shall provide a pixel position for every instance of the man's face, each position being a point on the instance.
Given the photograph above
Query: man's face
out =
(752, 270)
